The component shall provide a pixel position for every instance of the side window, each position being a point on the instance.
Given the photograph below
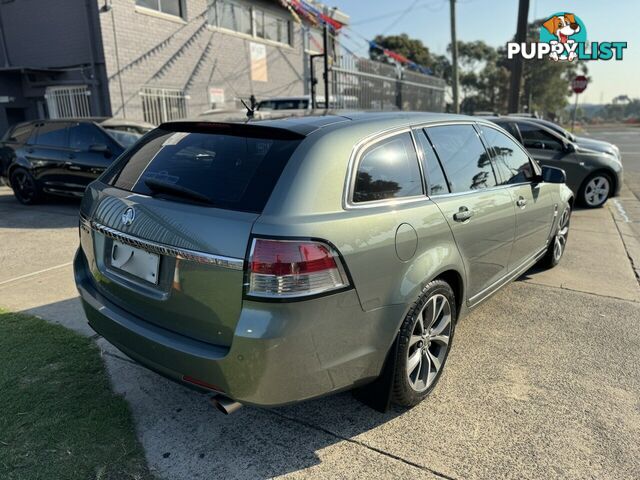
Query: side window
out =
(536, 137)
(464, 158)
(436, 181)
(83, 135)
(388, 169)
(511, 128)
(510, 160)
(52, 134)
(20, 133)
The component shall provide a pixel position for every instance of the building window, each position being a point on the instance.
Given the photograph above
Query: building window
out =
(170, 7)
(163, 104)
(252, 21)
(68, 102)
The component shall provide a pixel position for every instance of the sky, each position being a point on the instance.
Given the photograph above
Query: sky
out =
(494, 21)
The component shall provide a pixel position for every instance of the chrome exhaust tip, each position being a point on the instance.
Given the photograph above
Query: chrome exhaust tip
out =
(225, 405)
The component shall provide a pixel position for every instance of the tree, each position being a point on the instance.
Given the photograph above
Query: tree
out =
(414, 50)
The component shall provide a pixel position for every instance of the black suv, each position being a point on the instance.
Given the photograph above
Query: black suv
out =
(59, 157)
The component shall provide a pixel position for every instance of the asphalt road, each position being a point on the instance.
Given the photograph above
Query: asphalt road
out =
(543, 380)
(628, 140)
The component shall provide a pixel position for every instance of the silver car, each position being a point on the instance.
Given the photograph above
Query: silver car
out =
(276, 261)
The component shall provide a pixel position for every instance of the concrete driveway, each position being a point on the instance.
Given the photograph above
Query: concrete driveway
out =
(543, 381)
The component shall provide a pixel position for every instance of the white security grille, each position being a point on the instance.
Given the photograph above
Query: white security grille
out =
(68, 102)
(163, 104)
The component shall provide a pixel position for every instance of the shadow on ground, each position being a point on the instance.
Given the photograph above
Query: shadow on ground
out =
(54, 212)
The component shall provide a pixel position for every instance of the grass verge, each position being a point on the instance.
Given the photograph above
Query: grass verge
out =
(58, 415)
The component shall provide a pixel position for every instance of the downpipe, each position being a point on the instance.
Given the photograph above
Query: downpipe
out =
(225, 405)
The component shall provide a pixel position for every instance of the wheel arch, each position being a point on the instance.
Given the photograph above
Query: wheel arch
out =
(455, 281)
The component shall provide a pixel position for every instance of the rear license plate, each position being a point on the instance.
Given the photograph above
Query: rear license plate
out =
(135, 261)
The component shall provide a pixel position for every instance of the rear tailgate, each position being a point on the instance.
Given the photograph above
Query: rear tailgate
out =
(172, 258)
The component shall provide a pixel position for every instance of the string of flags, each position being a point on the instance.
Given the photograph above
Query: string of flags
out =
(302, 9)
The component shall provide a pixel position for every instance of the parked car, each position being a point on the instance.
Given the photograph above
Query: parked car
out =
(281, 260)
(60, 157)
(584, 142)
(592, 175)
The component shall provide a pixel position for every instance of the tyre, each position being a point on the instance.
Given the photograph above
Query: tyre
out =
(424, 342)
(25, 187)
(595, 190)
(559, 241)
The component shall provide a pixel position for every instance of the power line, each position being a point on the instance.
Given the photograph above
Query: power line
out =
(433, 6)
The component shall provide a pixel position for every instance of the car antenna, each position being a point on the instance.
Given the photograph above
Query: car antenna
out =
(250, 109)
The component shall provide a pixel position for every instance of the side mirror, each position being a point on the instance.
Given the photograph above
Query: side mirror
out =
(569, 147)
(101, 148)
(553, 175)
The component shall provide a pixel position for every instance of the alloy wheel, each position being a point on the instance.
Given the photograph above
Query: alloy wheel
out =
(23, 185)
(560, 240)
(597, 191)
(429, 343)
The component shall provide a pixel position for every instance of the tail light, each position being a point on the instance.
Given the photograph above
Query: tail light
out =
(293, 268)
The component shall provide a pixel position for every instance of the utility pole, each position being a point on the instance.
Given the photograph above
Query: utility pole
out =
(325, 46)
(516, 66)
(454, 58)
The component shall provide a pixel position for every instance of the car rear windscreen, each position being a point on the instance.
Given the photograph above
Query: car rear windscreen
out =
(233, 171)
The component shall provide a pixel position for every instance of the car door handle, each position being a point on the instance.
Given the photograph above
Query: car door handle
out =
(463, 214)
(521, 202)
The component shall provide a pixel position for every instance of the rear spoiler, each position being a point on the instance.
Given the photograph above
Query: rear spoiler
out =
(233, 129)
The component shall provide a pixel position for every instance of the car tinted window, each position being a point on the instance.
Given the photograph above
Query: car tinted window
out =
(388, 169)
(83, 135)
(536, 137)
(464, 158)
(510, 127)
(227, 171)
(52, 134)
(511, 161)
(436, 181)
(20, 133)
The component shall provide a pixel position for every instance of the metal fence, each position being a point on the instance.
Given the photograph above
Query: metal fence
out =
(360, 83)
(163, 104)
(68, 102)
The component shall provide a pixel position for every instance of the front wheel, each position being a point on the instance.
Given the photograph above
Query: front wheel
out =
(558, 243)
(595, 190)
(424, 342)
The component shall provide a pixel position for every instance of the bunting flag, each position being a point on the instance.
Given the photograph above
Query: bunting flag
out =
(400, 58)
(304, 9)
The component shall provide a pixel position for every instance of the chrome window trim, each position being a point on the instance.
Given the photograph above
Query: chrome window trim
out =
(354, 162)
(162, 249)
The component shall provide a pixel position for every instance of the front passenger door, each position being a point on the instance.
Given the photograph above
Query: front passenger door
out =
(534, 204)
(92, 152)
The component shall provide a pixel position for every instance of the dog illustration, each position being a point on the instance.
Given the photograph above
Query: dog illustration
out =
(562, 26)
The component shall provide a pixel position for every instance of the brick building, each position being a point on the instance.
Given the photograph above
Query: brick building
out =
(151, 60)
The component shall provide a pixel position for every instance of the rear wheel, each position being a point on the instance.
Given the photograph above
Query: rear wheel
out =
(424, 342)
(595, 190)
(25, 188)
(559, 242)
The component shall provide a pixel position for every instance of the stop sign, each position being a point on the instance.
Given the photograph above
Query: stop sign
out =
(579, 84)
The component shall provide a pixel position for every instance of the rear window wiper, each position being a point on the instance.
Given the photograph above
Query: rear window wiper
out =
(158, 186)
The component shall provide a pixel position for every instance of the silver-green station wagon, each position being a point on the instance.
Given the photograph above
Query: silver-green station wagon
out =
(276, 261)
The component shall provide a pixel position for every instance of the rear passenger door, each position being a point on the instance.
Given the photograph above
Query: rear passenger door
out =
(481, 217)
(533, 200)
(47, 151)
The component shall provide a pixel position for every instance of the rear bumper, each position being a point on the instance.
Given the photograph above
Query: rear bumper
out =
(281, 352)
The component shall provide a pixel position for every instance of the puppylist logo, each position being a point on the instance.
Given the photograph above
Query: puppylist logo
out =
(563, 37)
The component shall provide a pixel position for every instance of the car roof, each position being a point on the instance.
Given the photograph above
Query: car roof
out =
(306, 123)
